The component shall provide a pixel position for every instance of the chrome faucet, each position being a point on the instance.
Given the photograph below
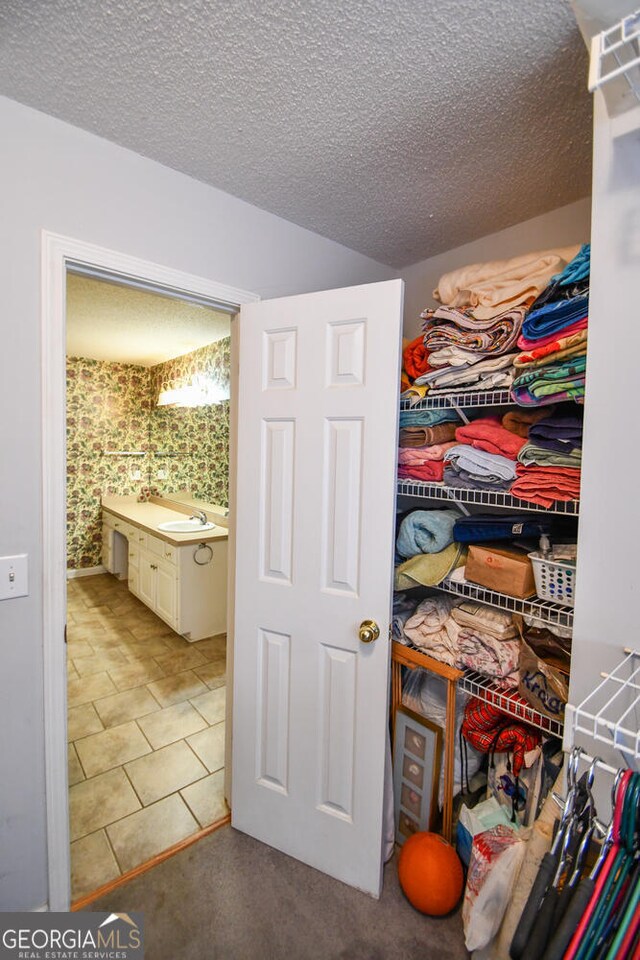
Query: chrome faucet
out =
(199, 515)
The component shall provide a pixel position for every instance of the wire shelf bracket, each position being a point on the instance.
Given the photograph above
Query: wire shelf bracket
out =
(485, 498)
(608, 714)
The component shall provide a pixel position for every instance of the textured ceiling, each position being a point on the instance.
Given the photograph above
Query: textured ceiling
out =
(400, 129)
(108, 321)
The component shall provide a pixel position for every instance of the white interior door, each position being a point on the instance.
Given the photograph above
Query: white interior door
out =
(317, 451)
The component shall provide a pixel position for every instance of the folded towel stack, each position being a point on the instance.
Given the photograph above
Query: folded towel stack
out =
(551, 459)
(553, 341)
(470, 341)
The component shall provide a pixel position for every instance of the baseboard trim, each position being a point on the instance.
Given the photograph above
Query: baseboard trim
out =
(89, 898)
(85, 572)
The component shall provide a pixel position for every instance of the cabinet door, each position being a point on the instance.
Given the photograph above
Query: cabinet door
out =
(166, 593)
(147, 581)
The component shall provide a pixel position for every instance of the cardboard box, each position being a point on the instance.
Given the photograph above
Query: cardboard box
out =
(500, 568)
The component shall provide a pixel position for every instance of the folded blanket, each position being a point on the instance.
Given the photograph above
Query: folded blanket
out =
(500, 380)
(425, 436)
(489, 434)
(553, 317)
(559, 432)
(532, 455)
(455, 357)
(480, 463)
(426, 531)
(429, 471)
(429, 569)
(410, 392)
(468, 373)
(447, 326)
(563, 347)
(415, 359)
(491, 288)
(479, 616)
(521, 421)
(546, 485)
(526, 344)
(457, 477)
(432, 629)
(556, 382)
(483, 653)
(427, 418)
(409, 456)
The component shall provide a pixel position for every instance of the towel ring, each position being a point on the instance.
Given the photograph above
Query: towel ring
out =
(203, 546)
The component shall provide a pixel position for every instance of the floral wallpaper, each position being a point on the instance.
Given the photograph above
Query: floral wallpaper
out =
(112, 407)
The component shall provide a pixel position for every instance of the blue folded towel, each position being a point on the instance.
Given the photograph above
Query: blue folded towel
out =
(577, 269)
(554, 317)
(426, 531)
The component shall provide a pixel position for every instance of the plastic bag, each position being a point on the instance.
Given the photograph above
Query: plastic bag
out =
(475, 820)
(496, 857)
(427, 694)
(518, 795)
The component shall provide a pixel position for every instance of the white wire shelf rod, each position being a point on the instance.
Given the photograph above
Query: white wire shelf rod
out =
(553, 613)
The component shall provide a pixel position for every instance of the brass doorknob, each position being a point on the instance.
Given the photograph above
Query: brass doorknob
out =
(369, 631)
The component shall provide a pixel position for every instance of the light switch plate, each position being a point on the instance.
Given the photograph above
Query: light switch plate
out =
(14, 576)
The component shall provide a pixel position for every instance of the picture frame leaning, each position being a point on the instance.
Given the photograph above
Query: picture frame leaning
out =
(417, 757)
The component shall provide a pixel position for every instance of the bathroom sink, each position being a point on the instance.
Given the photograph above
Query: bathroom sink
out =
(185, 526)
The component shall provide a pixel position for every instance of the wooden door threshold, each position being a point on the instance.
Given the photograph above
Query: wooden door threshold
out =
(89, 898)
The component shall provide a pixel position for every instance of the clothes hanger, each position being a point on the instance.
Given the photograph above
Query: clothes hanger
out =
(614, 883)
(588, 894)
(555, 902)
(565, 919)
(547, 868)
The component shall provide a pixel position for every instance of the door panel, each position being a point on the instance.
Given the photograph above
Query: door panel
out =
(317, 441)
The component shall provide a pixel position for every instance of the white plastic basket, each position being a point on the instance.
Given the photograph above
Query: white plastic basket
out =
(555, 579)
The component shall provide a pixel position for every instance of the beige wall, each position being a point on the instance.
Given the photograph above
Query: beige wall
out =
(561, 227)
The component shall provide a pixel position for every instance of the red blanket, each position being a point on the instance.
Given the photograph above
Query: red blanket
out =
(489, 434)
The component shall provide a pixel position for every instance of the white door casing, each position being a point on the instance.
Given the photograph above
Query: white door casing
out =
(317, 440)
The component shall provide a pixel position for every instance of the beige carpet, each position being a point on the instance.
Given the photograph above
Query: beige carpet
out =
(229, 897)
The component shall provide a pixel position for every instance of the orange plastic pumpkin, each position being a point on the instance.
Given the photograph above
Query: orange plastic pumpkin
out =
(430, 874)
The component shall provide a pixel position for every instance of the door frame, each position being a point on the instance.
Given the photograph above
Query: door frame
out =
(58, 253)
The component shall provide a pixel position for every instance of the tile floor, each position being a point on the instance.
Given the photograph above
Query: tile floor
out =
(145, 731)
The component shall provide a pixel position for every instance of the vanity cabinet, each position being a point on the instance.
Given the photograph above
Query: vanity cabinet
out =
(185, 585)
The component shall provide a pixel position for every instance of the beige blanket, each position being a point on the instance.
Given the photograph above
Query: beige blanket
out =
(491, 288)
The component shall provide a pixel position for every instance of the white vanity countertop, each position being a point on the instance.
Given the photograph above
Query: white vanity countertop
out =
(148, 515)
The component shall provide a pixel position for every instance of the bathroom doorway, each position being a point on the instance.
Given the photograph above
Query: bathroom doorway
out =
(143, 425)
(148, 397)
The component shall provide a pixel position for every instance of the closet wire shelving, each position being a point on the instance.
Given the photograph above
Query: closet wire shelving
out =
(478, 398)
(609, 712)
(554, 614)
(485, 498)
(490, 691)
